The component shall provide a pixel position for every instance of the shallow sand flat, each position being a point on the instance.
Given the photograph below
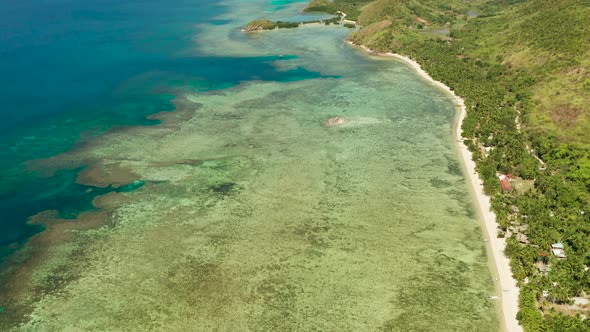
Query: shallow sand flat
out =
(284, 224)
(355, 228)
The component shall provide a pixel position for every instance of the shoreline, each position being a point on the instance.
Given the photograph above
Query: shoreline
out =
(509, 296)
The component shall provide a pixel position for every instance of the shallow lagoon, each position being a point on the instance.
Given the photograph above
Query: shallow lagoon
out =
(256, 216)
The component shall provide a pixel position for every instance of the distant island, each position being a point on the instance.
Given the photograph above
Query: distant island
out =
(262, 24)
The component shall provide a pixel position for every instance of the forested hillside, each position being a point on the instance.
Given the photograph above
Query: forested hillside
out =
(523, 67)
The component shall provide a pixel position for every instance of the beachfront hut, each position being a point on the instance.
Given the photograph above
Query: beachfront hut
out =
(557, 245)
(559, 253)
(505, 182)
(558, 250)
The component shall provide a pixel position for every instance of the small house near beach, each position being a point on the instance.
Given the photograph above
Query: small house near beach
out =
(505, 182)
(558, 250)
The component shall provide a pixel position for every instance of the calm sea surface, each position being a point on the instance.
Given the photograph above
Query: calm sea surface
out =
(77, 68)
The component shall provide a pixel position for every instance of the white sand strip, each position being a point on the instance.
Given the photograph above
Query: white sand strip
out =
(507, 285)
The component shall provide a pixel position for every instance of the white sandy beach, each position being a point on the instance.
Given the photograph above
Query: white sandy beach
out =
(506, 284)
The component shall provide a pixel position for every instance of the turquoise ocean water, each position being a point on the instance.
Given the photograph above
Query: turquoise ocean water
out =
(70, 70)
(252, 210)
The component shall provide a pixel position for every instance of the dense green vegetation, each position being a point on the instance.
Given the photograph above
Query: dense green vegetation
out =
(352, 8)
(258, 25)
(526, 59)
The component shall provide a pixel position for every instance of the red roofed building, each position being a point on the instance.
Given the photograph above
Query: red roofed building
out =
(504, 182)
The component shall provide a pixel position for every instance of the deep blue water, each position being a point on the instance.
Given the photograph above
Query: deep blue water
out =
(71, 69)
